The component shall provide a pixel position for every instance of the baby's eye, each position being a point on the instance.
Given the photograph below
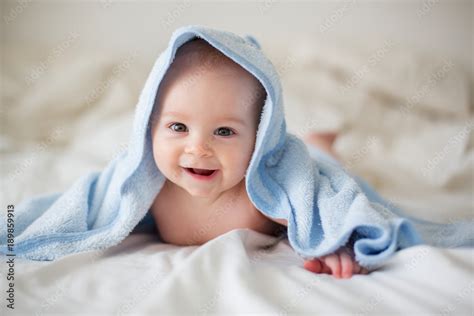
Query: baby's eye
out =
(224, 131)
(178, 127)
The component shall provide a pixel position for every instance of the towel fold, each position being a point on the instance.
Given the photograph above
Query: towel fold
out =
(325, 206)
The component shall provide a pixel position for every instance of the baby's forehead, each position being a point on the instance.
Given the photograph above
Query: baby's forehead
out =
(204, 99)
(197, 59)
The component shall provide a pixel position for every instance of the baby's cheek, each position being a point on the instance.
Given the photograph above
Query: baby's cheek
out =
(237, 160)
(163, 156)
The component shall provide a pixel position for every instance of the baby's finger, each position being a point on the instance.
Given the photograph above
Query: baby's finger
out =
(314, 266)
(346, 265)
(326, 269)
(356, 268)
(332, 261)
(364, 271)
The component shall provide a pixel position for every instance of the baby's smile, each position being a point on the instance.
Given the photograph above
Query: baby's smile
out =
(202, 174)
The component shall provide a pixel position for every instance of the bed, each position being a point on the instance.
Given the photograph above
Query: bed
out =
(405, 123)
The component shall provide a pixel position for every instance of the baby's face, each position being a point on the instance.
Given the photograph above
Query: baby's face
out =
(207, 120)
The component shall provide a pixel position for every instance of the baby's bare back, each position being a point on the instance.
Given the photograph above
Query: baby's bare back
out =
(181, 220)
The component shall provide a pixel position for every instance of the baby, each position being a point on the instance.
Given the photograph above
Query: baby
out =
(208, 111)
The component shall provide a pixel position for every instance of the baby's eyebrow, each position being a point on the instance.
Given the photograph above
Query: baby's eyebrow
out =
(175, 114)
(233, 119)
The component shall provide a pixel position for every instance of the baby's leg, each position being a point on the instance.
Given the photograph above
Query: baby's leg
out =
(323, 141)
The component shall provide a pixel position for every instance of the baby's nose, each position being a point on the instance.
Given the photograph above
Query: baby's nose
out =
(199, 146)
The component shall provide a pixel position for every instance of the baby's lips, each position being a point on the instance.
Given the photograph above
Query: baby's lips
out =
(204, 172)
(186, 167)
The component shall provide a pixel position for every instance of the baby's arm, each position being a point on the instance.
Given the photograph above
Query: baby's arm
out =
(341, 264)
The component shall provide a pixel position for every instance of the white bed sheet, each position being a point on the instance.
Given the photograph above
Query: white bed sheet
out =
(234, 275)
(52, 136)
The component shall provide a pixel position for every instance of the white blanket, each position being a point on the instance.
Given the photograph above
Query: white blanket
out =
(232, 275)
(406, 127)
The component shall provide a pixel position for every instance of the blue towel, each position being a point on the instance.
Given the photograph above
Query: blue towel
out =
(326, 207)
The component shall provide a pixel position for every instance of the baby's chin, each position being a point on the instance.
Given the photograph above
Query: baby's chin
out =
(209, 193)
(197, 191)
(207, 189)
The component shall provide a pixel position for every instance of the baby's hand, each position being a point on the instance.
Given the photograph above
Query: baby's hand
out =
(341, 264)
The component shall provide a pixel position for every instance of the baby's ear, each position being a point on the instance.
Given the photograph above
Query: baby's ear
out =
(252, 40)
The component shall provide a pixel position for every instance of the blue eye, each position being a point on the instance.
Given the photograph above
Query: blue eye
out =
(178, 127)
(225, 131)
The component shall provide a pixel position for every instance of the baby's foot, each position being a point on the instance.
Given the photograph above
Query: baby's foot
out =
(323, 141)
(340, 264)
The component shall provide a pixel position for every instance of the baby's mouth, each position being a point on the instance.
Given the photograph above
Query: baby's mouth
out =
(202, 172)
